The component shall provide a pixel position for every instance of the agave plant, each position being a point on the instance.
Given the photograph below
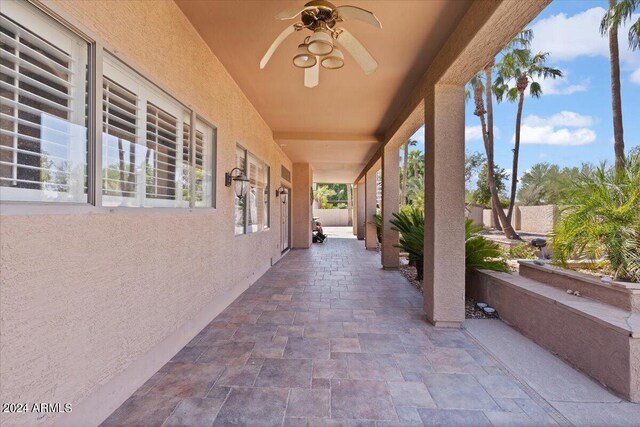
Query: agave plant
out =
(603, 219)
(480, 252)
(410, 223)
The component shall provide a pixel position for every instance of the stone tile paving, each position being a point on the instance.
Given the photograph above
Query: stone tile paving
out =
(326, 337)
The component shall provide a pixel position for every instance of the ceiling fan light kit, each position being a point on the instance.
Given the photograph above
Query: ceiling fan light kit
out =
(322, 17)
(334, 60)
(320, 43)
(304, 59)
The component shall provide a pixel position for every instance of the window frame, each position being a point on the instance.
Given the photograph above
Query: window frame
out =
(267, 191)
(97, 49)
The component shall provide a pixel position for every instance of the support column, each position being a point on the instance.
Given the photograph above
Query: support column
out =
(301, 206)
(371, 190)
(444, 258)
(390, 204)
(354, 210)
(360, 229)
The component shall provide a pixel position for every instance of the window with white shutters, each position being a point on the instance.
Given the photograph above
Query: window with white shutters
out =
(164, 159)
(122, 158)
(43, 134)
(151, 155)
(253, 210)
(149, 158)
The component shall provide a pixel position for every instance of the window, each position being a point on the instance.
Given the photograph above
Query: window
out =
(154, 151)
(252, 213)
(43, 114)
(200, 160)
(150, 157)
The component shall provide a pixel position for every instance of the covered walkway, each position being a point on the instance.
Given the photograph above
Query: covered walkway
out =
(326, 337)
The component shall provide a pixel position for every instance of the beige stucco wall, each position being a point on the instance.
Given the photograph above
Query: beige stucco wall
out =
(607, 354)
(88, 293)
(301, 209)
(332, 217)
(537, 219)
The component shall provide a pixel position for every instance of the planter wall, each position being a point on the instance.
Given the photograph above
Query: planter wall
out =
(617, 294)
(601, 340)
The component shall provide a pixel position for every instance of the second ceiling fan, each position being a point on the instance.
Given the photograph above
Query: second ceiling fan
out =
(320, 48)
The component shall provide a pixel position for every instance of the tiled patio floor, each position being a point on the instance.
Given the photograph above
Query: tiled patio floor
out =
(328, 338)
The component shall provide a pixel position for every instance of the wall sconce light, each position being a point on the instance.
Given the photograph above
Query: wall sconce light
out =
(240, 180)
(282, 191)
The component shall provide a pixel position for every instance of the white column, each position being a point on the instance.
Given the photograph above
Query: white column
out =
(444, 258)
(390, 203)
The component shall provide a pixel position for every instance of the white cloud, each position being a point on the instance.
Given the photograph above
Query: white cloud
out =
(474, 133)
(548, 135)
(563, 118)
(635, 77)
(556, 129)
(569, 37)
(561, 86)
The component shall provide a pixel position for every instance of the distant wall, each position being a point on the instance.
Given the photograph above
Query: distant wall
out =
(530, 219)
(332, 217)
(536, 219)
(476, 214)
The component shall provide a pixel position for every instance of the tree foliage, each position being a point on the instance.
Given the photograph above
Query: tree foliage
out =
(618, 15)
(482, 194)
(480, 252)
(603, 219)
(548, 184)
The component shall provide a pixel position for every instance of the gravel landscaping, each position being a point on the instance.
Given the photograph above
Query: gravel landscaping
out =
(470, 311)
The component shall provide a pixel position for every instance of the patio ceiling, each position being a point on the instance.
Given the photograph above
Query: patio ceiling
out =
(338, 125)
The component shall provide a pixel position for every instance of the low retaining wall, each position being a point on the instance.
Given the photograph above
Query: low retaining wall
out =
(598, 339)
(332, 217)
(617, 294)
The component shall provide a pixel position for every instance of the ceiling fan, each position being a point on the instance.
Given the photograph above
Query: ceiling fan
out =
(320, 48)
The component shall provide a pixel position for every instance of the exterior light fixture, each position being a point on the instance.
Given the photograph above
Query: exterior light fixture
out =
(284, 192)
(320, 43)
(240, 180)
(333, 60)
(302, 57)
(281, 190)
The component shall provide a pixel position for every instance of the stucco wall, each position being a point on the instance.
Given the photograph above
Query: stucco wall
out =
(88, 293)
(332, 217)
(537, 219)
(531, 219)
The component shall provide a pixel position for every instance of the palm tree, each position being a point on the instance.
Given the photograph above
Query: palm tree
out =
(602, 219)
(405, 164)
(521, 65)
(478, 88)
(618, 14)
(322, 194)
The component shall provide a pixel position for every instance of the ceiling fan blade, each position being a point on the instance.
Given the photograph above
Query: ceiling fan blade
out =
(312, 75)
(358, 51)
(283, 35)
(352, 12)
(292, 13)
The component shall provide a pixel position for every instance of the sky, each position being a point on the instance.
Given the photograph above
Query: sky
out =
(571, 123)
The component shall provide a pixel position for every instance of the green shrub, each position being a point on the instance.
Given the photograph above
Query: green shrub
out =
(410, 223)
(377, 220)
(603, 219)
(480, 252)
